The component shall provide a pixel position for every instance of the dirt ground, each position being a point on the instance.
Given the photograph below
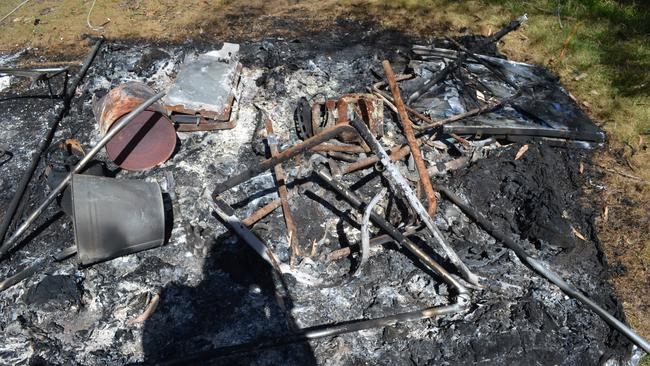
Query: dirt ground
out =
(56, 29)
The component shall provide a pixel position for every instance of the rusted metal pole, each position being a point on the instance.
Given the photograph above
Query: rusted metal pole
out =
(412, 141)
(325, 147)
(296, 149)
(261, 212)
(292, 231)
(344, 252)
(396, 153)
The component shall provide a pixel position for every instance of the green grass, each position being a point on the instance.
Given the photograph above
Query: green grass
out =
(611, 46)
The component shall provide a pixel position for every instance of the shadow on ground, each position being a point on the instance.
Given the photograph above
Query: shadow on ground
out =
(235, 302)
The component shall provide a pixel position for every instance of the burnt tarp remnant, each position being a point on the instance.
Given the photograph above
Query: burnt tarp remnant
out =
(548, 112)
(203, 93)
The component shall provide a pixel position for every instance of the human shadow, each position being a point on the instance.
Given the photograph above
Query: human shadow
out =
(237, 301)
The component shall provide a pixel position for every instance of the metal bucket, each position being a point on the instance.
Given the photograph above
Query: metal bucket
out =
(146, 141)
(115, 217)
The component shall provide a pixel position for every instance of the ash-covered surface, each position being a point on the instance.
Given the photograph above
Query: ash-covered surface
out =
(213, 291)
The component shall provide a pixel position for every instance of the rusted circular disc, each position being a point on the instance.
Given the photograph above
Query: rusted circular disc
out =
(148, 140)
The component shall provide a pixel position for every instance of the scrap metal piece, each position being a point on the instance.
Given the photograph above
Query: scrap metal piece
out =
(302, 119)
(206, 86)
(396, 153)
(365, 232)
(292, 230)
(261, 212)
(382, 223)
(189, 123)
(36, 74)
(328, 113)
(227, 214)
(321, 331)
(410, 137)
(399, 183)
(36, 267)
(283, 156)
(115, 217)
(149, 140)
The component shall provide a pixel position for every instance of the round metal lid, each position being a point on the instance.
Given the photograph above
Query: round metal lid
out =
(147, 141)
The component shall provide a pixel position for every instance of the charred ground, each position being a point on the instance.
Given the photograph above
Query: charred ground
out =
(212, 290)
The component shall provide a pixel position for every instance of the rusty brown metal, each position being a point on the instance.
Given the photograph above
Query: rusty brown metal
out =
(342, 156)
(200, 124)
(262, 212)
(344, 252)
(148, 140)
(325, 147)
(396, 153)
(292, 231)
(412, 141)
(283, 156)
(332, 112)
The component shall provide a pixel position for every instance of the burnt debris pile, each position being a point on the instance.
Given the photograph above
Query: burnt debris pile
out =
(301, 202)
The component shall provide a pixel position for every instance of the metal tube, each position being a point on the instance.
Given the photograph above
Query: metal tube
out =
(325, 147)
(86, 159)
(413, 143)
(545, 272)
(36, 157)
(396, 153)
(365, 232)
(322, 331)
(296, 149)
(344, 252)
(35, 267)
(227, 214)
(382, 223)
(399, 183)
(262, 212)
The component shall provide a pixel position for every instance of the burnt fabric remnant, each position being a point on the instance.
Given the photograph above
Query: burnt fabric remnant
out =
(236, 283)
